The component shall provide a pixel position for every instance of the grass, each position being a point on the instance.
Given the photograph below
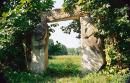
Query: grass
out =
(64, 69)
(63, 66)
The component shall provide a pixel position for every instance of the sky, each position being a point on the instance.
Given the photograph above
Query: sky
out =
(58, 4)
(68, 40)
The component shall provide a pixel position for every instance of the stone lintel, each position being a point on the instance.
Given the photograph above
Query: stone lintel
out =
(59, 15)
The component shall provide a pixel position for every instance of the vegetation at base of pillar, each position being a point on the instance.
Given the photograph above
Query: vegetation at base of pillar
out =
(17, 18)
(112, 19)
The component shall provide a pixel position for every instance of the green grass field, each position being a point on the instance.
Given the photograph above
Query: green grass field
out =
(65, 69)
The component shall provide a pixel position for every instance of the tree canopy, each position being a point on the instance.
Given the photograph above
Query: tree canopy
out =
(113, 25)
(17, 18)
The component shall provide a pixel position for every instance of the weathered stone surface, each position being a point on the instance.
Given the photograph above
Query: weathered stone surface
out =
(39, 49)
(92, 59)
(60, 15)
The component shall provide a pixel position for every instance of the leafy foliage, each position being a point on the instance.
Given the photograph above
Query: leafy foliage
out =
(18, 17)
(73, 26)
(56, 49)
(69, 5)
(113, 25)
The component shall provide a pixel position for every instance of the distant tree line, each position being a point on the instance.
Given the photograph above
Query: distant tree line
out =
(60, 49)
(74, 51)
(56, 49)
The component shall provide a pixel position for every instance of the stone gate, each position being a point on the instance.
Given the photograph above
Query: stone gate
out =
(93, 58)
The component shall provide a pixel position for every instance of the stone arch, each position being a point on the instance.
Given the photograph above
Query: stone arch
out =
(92, 59)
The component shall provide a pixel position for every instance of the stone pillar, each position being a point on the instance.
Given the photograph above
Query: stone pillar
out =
(39, 49)
(92, 59)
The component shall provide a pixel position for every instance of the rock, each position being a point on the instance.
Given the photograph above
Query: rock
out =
(92, 59)
(39, 48)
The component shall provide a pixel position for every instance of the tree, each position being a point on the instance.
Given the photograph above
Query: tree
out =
(18, 17)
(73, 26)
(74, 51)
(56, 49)
(63, 50)
(113, 25)
(71, 51)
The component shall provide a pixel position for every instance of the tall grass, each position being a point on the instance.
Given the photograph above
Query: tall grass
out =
(64, 69)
